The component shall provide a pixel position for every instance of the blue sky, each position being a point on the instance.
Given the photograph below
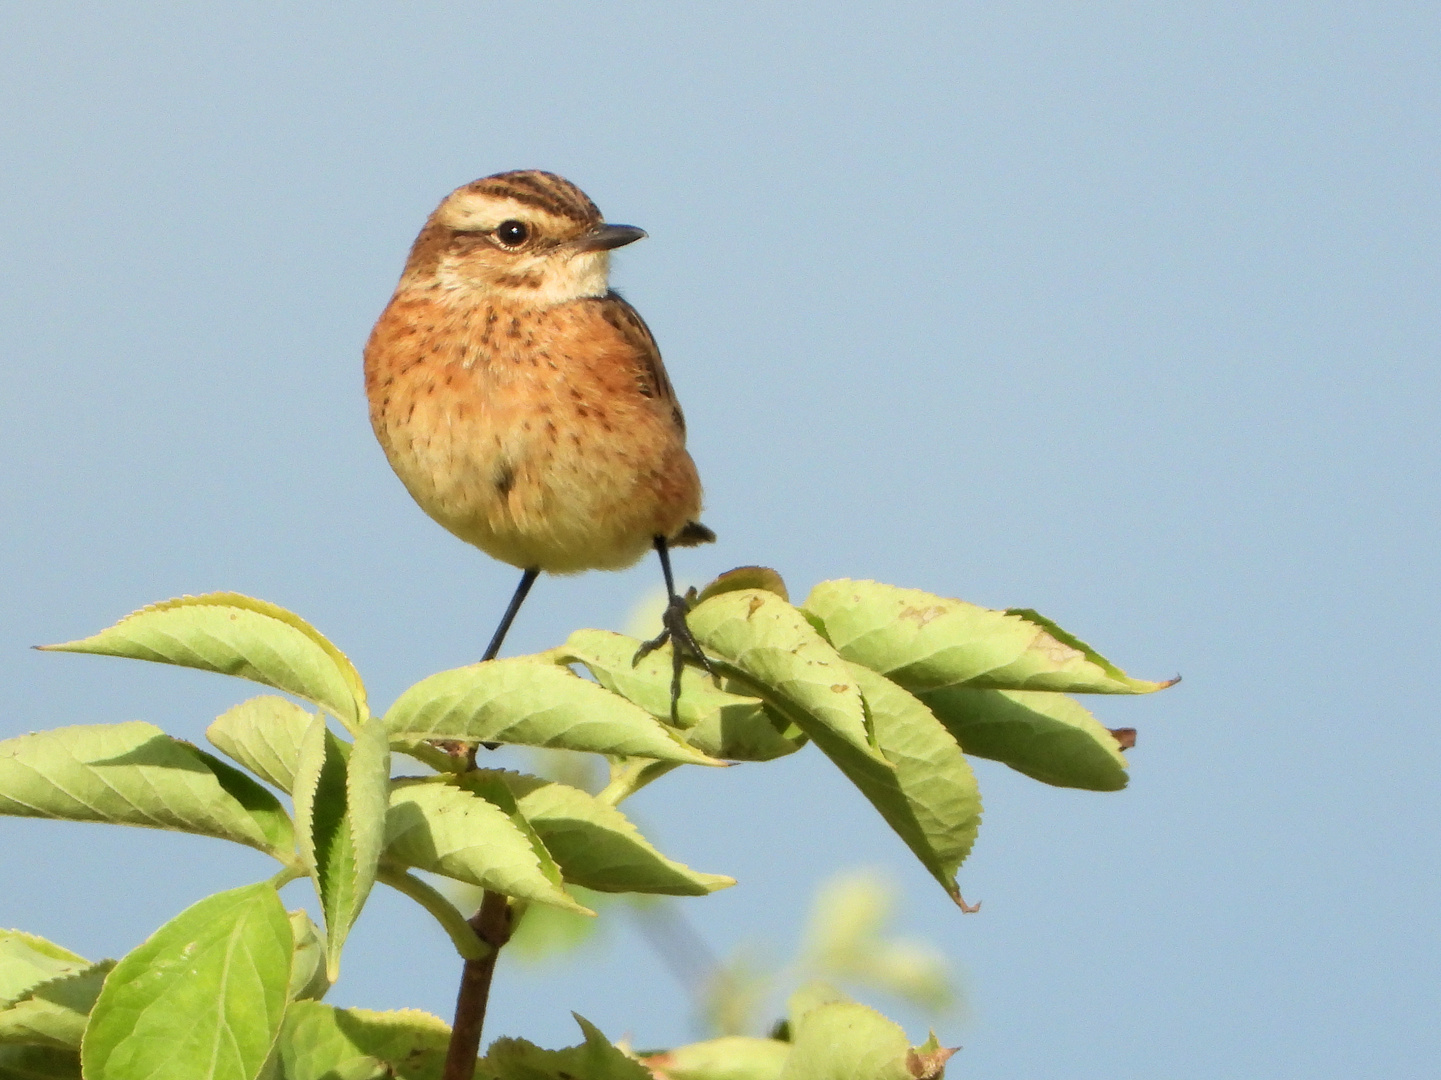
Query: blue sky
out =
(1126, 314)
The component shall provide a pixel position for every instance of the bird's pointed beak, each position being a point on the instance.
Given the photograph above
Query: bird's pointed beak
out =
(607, 237)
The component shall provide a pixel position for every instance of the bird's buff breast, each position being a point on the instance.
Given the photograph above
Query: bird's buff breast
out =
(537, 459)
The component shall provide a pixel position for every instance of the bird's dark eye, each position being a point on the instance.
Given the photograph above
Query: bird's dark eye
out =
(512, 233)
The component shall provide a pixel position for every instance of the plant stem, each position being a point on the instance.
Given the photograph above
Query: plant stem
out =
(629, 778)
(293, 872)
(462, 934)
(492, 925)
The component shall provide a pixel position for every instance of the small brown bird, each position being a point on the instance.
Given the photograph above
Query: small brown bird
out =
(522, 403)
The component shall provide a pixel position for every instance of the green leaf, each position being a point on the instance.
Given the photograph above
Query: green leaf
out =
(1058, 660)
(135, 774)
(436, 824)
(367, 805)
(847, 1041)
(732, 1057)
(608, 656)
(237, 635)
(928, 793)
(719, 723)
(54, 1012)
(746, 735)
(595, 1059)
(489, 787)
(320, 1042)
(27, 960)
(201, 999)
(527, 701)
(264, 735)
(264, 807)
(38, 1063)
(319, 779)
(762, 638)
(1046, 736)
(596, 845)
(916, 639)
(746, 577)
(324, 836)
(923, 641)
(811, 995)
(308, 978)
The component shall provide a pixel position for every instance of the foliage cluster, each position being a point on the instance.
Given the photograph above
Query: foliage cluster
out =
(894, 686)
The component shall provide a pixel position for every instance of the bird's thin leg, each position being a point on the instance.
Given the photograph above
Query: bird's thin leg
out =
(527, 579)
(674, 630)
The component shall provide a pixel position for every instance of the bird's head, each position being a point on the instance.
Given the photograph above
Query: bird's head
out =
(527, 238)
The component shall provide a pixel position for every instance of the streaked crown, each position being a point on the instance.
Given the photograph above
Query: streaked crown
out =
(525, 193)
(525, 238)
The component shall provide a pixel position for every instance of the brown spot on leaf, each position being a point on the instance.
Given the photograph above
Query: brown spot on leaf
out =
(1057, 652)
(922, 616)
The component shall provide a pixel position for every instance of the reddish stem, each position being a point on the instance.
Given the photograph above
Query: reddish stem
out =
(492, 925)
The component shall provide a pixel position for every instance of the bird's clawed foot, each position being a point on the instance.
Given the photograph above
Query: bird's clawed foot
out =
(683, 644)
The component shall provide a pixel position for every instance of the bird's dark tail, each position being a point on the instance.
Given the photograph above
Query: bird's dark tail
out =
(692, 534)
